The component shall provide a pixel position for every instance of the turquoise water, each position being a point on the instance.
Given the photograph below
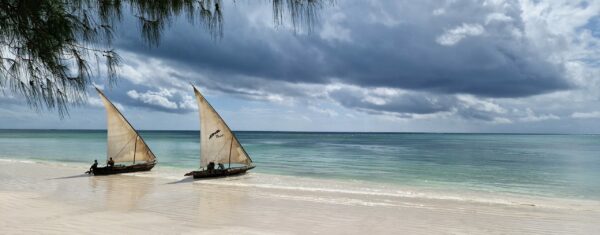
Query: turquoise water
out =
(565, 166)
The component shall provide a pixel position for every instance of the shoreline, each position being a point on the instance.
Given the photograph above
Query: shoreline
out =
(60, 199)
(344, 186)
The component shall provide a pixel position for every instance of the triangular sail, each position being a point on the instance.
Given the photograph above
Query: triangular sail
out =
(123, 142)
(217, 143)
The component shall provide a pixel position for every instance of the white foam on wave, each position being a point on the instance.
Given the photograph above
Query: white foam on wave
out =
(381, 191)
(17, 161)
(77, 165)
(271, 142)
(339, 201)
(356, 191)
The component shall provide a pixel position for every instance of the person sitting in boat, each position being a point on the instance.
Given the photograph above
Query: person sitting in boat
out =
(221, 166)
(211, 167)
(110, 162)
(93, 167)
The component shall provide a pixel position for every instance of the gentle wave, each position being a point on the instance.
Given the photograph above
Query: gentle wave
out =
(365, 191)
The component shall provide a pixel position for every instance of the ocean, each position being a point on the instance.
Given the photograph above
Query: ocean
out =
(555, 166)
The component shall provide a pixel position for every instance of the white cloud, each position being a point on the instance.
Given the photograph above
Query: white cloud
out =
(99, 86)
(439, 11)
(374, 100)
(497, 17)
(333, 30)
(480, 104)
(188, 102)
(328, 112)
(160, 98)
(95, 101)
(532, 117)
(380, 13)
(557, 29)
(595, 114)
(455, 35)
(153, 72)
(501, 120)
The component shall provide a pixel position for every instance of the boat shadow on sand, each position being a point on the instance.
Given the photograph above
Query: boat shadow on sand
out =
(69, 177)
(191, 179)
(184, 180)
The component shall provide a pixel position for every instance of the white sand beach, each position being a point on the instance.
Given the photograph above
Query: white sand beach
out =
(57, 199)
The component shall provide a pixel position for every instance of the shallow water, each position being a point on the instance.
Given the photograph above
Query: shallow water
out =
(565, 166)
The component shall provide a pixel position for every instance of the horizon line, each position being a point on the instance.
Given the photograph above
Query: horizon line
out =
(297, 131)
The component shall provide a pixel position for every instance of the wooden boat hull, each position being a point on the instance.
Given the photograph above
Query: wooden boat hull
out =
(219, 173)
(123, 169)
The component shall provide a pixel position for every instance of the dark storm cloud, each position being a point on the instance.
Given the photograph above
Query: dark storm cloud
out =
(406, 55)
(434, 52)
(410, 104)
(407, 103)
(457, 65)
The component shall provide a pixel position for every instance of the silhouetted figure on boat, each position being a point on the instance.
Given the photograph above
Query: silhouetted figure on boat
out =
(110, 162)
(210, 167)
(221, 166)
(93, 167)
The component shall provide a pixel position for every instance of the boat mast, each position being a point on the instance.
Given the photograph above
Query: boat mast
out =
(230, 145)
(135, 148)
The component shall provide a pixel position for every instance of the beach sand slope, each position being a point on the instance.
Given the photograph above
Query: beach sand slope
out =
(54, 199)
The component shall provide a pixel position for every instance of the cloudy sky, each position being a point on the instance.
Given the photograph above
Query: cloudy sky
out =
(367, 65)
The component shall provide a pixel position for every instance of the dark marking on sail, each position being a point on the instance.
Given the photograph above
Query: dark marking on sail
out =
(215, 134)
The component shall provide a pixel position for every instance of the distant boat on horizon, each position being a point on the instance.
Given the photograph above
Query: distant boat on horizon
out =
(124, 144)
(218, 145)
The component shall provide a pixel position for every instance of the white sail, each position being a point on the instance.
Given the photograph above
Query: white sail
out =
(123, 142)
(217, 143)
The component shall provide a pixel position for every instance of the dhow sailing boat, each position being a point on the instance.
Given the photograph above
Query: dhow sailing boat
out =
(219, 148)
(124, 144)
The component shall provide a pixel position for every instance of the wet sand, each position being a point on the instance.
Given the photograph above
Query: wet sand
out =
(59, 199)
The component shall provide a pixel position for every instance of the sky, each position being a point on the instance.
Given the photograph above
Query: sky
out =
(524, 66)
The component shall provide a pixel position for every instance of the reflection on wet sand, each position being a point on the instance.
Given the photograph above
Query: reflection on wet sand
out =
(197, 202)
(219, 205)
(123, 192)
